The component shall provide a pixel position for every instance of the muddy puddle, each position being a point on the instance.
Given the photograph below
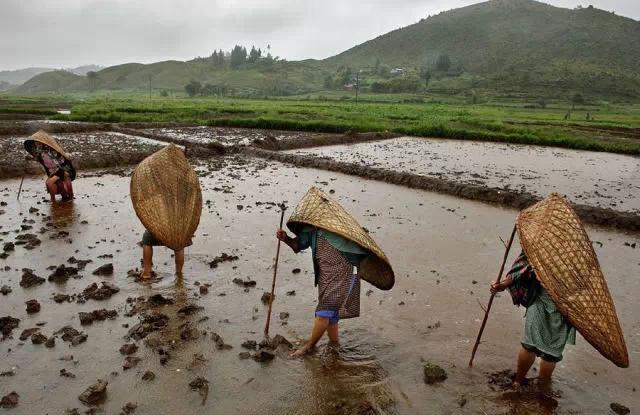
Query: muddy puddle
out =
(88, 150)
(595, 179)
(444, 251)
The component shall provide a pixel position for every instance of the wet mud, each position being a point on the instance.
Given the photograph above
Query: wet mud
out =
(88, 150)
(603, 180)
(504, 197)
(169, 346)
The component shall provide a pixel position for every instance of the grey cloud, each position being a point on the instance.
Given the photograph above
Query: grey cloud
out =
(73, 32)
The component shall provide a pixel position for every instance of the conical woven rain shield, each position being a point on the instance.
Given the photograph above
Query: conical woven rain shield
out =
(45, 139)
(317, 209)
(564, 261)
(166, 196)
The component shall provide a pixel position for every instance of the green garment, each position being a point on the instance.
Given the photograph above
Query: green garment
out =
(545, 328)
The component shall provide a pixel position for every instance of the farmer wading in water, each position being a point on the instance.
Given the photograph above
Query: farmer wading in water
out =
(558, 279)
(57, 164)
(342, 253)
(166, 196)
(546, 331)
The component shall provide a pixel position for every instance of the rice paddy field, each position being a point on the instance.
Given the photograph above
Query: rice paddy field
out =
(82, 334)
(598, 127)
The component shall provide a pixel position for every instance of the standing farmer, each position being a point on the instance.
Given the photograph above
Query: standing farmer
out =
(166, 196)
(558, 279)
(339, 246)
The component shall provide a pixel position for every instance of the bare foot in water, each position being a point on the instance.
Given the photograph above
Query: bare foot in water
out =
(299, 353)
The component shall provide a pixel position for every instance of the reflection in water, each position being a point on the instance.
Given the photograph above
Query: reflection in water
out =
(62, 213)
(346, 381)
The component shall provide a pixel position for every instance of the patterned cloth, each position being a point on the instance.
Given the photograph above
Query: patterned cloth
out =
(308, 238)
(338, 287)
(546, 331)
(525, 286)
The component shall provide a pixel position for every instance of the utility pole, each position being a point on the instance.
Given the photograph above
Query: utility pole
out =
(357, 85)
(149, 86)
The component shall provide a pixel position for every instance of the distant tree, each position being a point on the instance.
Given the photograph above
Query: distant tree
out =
(443, 64)
(376, 65)
(344, 75)
(384, 71)
(93, 79)
(577, 99)
(238, 56)
(164, 93)
(220, 57)
(193, 88)
(214, 57)
(425, 75)
(268, 60)
(328, 82)
(254, 55)
(208, 90)
(542, 103)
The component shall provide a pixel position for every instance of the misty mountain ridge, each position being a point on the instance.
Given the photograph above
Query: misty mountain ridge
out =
(500, 46)
(20, 76)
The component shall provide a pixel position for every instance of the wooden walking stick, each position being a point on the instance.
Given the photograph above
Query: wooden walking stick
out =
(486, 313)
(20, 189)
(275, 272)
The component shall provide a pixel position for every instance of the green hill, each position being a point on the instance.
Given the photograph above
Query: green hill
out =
(517, 45)
(506, 47)
(278, 78)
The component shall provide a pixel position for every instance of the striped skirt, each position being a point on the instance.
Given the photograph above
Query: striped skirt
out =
(338, 287)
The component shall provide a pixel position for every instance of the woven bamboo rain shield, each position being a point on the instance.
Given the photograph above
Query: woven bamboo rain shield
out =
(563, 258)
(166, 196)
(317, 209)
(44, 138)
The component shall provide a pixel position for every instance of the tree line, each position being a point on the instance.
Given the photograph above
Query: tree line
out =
(239, 57)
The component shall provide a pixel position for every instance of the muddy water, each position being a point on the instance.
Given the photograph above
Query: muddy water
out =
(594, 179)
(438, 245)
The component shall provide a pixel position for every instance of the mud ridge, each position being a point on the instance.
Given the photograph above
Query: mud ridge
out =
(30, 127)
(320, 140)
(507, 198)
(193, 149)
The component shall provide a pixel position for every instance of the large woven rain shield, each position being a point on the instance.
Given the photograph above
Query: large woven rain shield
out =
(46, 140)
(166, 196)
(563, 258)
(317, 209)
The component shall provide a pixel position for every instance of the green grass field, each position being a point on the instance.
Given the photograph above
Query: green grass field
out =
(611, 128)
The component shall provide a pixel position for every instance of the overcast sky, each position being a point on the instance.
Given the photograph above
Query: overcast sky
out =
(66, 33)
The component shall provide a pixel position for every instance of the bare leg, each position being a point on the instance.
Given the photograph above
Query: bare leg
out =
(332, 332)
(320, 325)
(52, 187)
(546, 370)
(525, 361)
(179, 261)
(147, 261)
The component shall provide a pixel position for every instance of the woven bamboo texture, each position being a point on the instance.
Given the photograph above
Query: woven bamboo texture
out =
(563, 258)
(317, 209)
(166, 195)
(44, 138)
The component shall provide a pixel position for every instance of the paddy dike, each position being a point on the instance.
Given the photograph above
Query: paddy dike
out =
(175, 345)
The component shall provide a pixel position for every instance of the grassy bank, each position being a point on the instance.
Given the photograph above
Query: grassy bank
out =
(610, 128)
